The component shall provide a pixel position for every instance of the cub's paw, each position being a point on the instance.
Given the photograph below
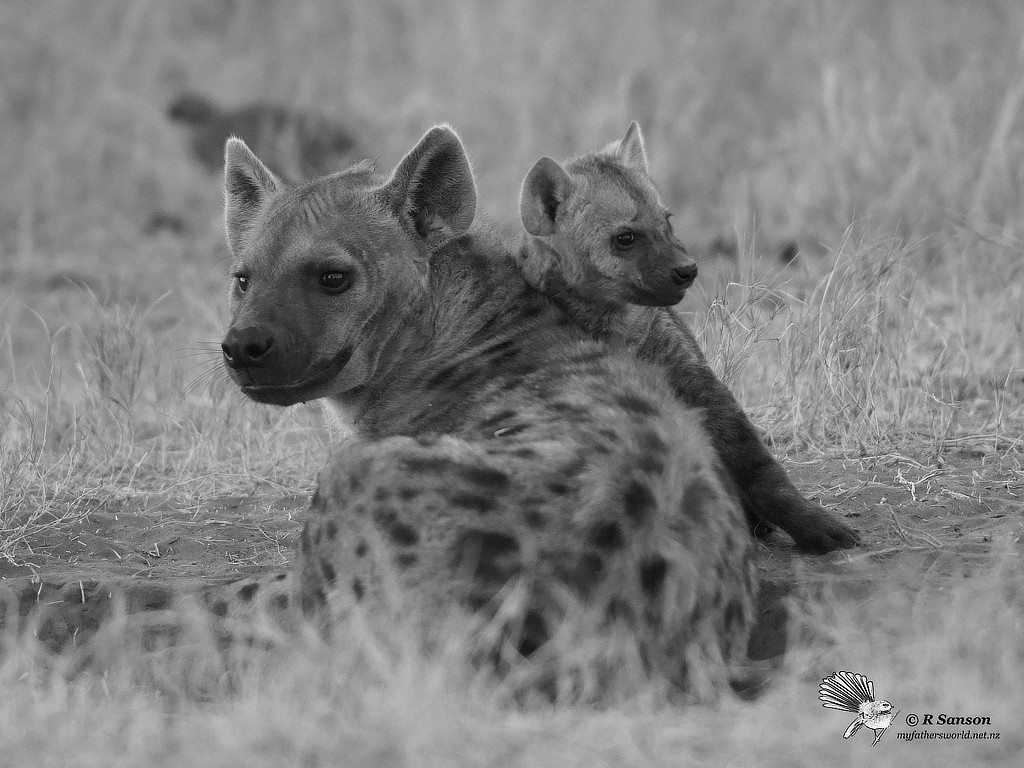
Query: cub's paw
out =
(822, 532)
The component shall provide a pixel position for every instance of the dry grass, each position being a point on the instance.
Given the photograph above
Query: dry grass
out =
(361, 701)
(885, 137)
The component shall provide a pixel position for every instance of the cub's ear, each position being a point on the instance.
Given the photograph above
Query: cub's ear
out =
(248, 187)
(432, 189)
(546, 187)
(632, 151)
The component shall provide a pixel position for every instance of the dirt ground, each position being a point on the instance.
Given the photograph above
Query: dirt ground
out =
(921, 524)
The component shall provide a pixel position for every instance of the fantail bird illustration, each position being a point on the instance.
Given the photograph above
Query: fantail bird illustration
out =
(850, 692)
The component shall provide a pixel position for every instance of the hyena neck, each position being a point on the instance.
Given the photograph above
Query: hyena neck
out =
(397, 342)
(539, 262)
(547, 271)
(428, 369)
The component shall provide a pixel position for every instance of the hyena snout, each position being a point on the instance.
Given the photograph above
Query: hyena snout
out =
(248, 347)
(275, 363)
(664, 278)
(684, 276)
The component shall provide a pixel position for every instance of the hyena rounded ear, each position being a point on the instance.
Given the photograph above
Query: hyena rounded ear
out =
(547, 186)
(432, 189)
(248, 187)
(631, 150)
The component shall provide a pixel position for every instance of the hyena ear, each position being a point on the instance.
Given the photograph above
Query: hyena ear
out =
(432, 189)
(248, 186)
(547, 186)
(631, 149)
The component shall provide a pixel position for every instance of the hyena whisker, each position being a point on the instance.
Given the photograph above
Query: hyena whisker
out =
(199, 359)
(203, 366)
(206, 378)
(207, 349)
(207, 346)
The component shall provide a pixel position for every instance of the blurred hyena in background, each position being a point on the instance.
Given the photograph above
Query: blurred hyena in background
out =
(297, 145)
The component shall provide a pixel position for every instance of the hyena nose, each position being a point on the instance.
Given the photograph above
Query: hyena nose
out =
(684, 276)
(246, 347)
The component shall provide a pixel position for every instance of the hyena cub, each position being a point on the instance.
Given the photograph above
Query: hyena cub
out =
(506, 462)
(600, 245)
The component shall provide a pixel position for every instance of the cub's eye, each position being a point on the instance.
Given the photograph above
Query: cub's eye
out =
(335, 282)
(242, 283)
(625, 239)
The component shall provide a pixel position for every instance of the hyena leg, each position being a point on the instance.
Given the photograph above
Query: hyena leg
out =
(766, 493)
(764, 489)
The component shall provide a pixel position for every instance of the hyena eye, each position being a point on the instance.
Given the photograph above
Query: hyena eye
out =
(625, 239)
(242, 283)
(335, 282)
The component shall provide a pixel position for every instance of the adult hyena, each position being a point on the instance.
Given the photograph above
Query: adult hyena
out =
(507, 462)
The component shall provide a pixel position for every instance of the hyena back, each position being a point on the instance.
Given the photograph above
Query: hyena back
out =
(507, 462)
(600, 245)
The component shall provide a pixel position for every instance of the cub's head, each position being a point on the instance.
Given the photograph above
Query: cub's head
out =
(324, 273)
(608, 228)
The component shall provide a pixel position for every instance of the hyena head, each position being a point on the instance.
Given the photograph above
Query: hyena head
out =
(609, 232)
(322, 272)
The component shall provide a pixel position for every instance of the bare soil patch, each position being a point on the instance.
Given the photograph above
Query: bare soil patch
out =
(921, 525)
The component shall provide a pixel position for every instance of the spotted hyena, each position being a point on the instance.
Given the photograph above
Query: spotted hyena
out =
(506, 462)
(299, 144)
(600, 245)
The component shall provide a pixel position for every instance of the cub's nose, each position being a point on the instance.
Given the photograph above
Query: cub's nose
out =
(684, 276)
(246, 347)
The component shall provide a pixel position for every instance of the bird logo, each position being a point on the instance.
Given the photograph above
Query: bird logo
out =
(851, 692)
